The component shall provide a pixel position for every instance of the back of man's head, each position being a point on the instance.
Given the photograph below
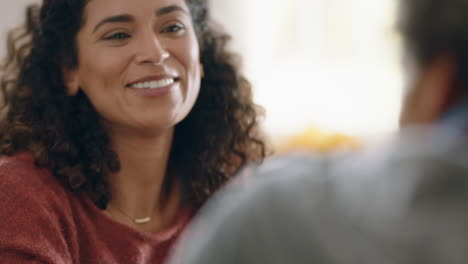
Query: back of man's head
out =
(431, 28)
(435, 40)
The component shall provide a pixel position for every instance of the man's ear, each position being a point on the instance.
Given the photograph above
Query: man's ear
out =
(431, 92)
(71, 81)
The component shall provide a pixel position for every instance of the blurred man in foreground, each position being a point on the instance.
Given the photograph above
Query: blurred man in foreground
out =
(402, 201)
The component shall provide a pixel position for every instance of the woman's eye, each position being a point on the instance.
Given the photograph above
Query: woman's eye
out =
(118, 36)
(176, 28)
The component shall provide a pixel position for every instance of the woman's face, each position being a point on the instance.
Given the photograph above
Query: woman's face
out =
(138, 63)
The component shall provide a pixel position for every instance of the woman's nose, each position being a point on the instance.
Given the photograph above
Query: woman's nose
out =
(152, 51)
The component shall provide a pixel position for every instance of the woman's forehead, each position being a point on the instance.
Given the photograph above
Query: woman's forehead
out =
(98, 9)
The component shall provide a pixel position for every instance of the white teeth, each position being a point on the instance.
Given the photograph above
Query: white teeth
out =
(153, 84)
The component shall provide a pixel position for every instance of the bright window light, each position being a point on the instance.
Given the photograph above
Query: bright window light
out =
(332, 64)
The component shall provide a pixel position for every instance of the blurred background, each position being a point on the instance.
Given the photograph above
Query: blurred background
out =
(318, 67)
(330, 64)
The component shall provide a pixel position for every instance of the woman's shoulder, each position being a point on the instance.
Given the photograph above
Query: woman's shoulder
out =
(20, 169)
(35, 211)
(23, 183)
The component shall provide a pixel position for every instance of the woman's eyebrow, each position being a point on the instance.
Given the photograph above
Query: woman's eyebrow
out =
(128, 18)
(169, 9)
(114, 19)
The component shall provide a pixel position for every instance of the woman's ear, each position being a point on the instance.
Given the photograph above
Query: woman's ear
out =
(202, 70)
(71, 81)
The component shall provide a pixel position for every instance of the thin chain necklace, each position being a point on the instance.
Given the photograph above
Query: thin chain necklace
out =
(135, 220)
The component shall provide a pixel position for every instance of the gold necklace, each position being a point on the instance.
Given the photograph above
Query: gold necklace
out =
(135, 220)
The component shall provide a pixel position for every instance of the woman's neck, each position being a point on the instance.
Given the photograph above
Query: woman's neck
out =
(138, 188)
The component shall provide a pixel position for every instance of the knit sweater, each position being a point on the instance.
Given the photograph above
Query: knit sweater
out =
(42, 222)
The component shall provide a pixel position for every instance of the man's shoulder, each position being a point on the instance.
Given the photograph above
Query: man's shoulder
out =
(404, 161)
(386, 178)
(389, 193)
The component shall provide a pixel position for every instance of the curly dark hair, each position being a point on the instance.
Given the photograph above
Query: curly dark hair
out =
(65, 134)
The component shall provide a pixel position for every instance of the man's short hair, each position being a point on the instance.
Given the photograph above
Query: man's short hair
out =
(431, 28)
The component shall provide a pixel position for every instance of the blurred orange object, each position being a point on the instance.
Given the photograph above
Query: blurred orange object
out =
(316, 140)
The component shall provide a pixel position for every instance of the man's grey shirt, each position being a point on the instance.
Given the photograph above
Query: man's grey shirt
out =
(401, 201)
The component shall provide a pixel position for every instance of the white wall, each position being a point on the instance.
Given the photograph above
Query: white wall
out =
(11, 15)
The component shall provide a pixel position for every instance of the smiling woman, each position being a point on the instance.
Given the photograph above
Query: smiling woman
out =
(120, 119)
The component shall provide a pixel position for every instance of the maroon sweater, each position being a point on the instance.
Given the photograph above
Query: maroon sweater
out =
(42, 222)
